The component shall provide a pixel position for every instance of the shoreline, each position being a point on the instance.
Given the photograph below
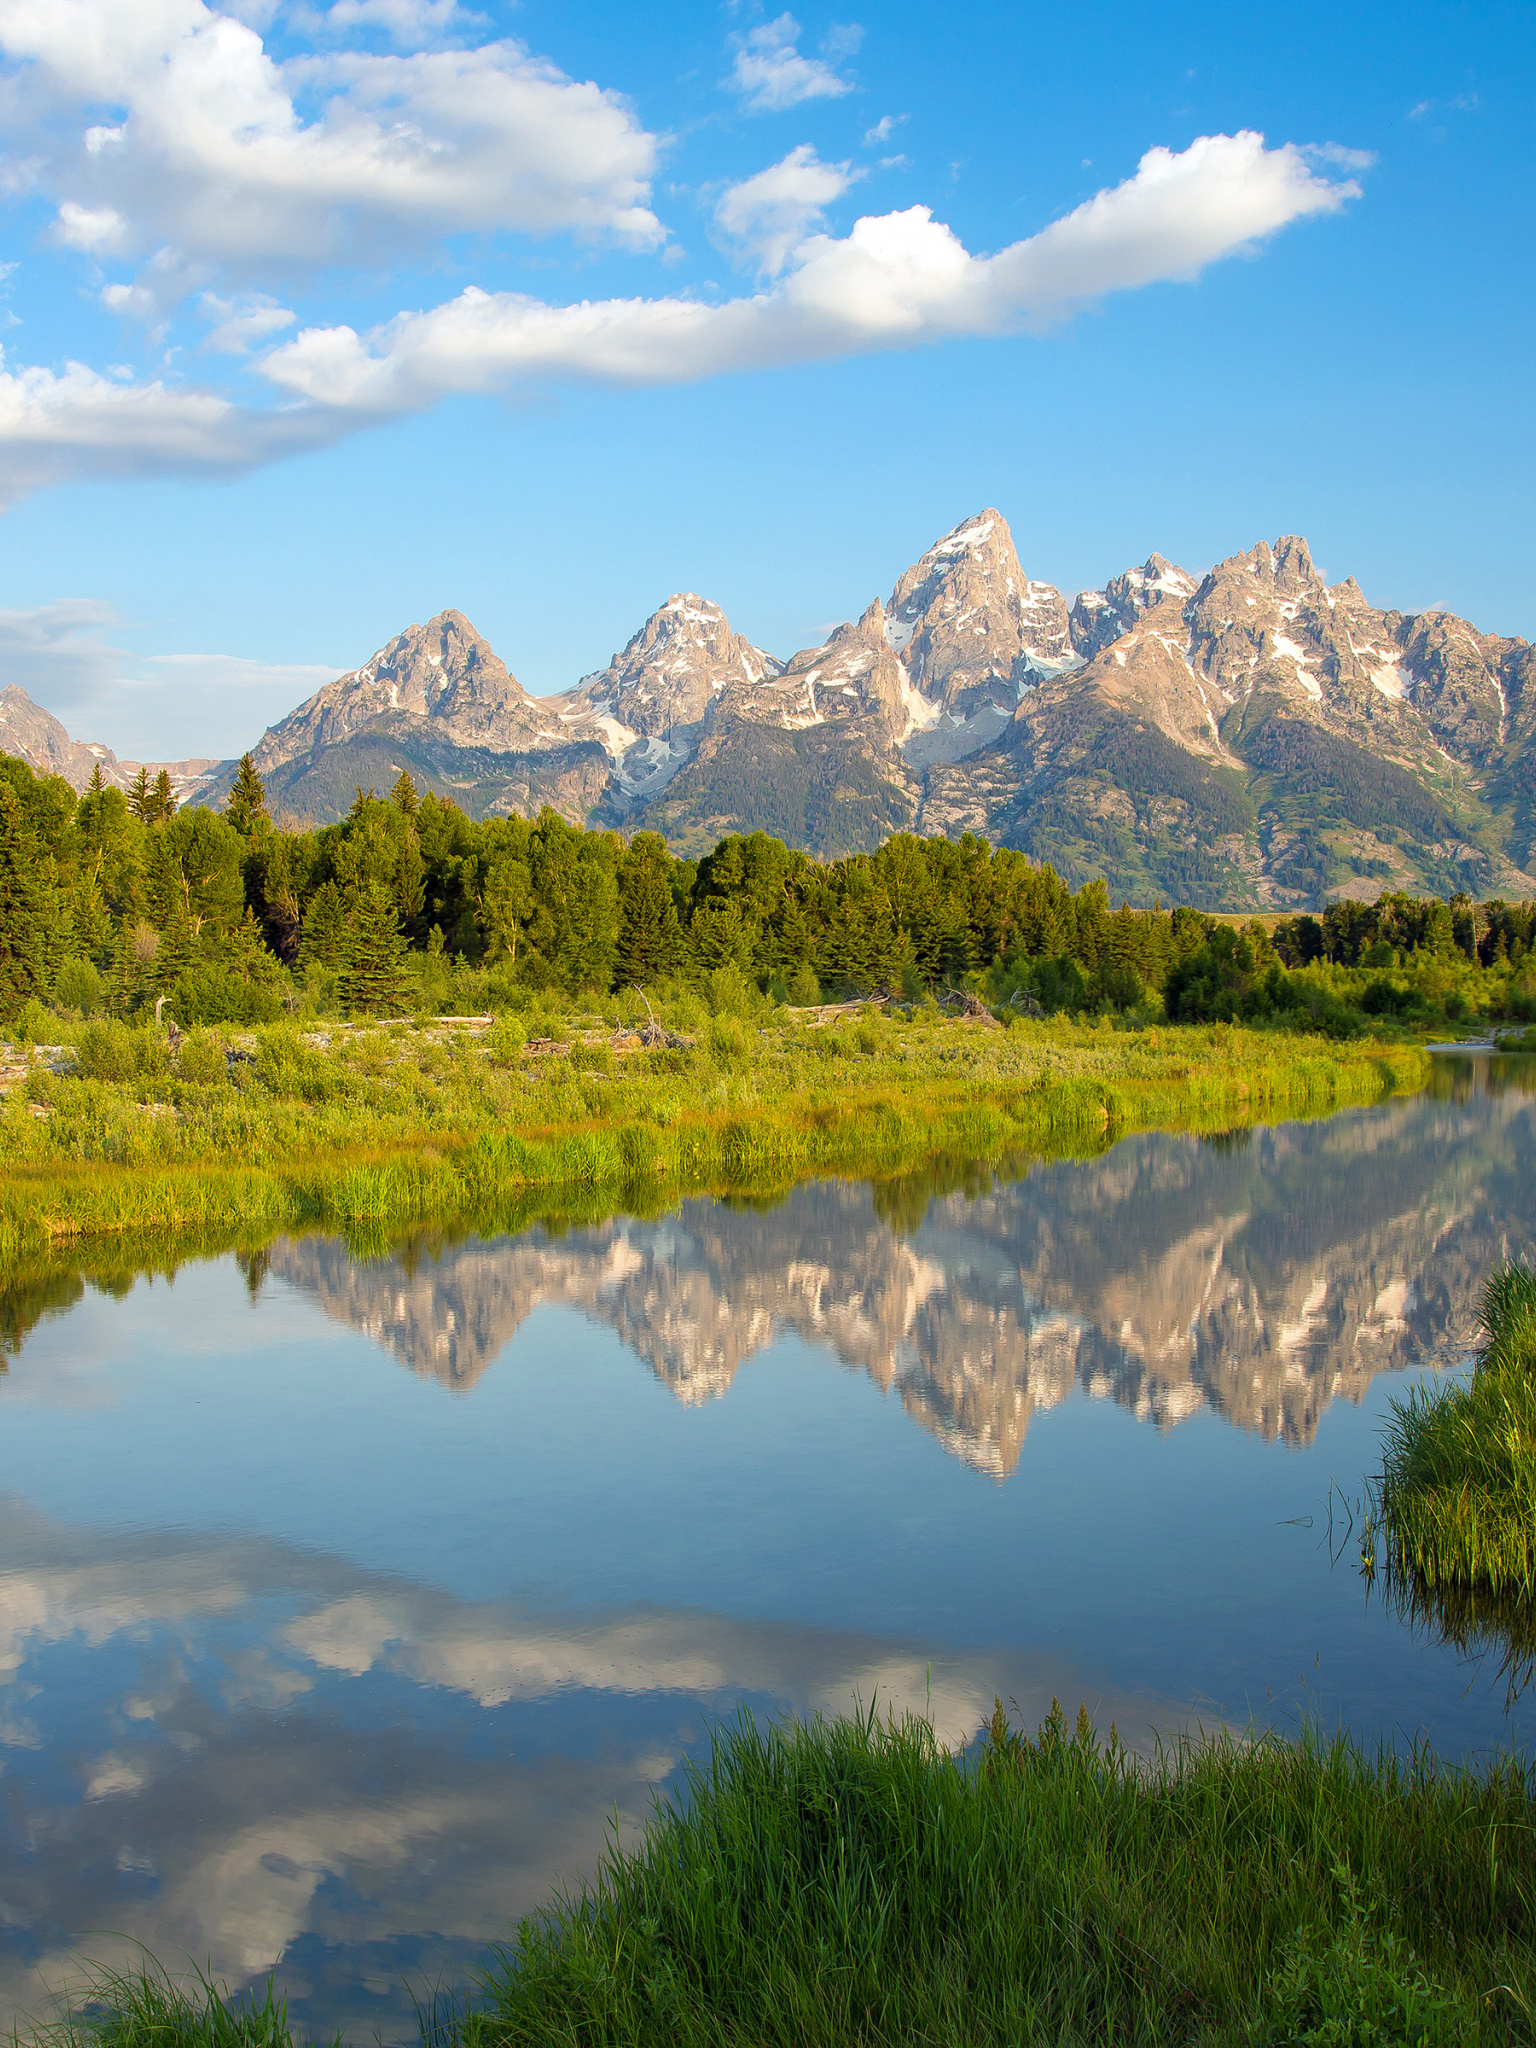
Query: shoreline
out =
(372, 1137)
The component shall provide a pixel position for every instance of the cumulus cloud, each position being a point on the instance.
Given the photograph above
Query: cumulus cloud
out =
(58, 426)
(897, 280)
(768, 216)
(771, 75)
(208, 154)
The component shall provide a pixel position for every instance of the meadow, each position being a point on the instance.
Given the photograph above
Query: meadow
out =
(378, 1127)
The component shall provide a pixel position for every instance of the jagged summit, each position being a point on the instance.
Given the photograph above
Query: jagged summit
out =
(647, 704)
(443, 671)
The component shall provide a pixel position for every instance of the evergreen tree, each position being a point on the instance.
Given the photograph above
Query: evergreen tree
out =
(139, 798)
(373, 972)
(96, 787)
(403, 796)
(247, 798)
(649, 941)
(325, 928)
(29, 917)
(163, 799)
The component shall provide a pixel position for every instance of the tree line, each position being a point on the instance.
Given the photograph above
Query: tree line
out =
(111, 900)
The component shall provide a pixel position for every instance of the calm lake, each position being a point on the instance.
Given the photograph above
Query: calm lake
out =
(347, 1605)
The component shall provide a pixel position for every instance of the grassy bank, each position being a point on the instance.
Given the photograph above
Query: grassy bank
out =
(837, 1883)
(1456, 1498)
(369, 1130)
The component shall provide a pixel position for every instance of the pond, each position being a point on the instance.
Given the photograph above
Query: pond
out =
(348, 1604)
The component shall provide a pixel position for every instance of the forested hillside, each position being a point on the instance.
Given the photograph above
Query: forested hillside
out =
(111, 901)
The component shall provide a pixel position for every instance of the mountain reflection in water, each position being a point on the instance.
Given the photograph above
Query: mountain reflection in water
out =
(311, 1665)
(1260, 1273)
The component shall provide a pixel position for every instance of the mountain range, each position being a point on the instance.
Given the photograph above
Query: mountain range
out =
(1252, 738)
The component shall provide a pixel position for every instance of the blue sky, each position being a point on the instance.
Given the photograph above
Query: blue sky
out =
(294, 354)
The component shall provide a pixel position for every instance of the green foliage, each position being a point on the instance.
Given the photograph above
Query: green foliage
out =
(29, 910)
(1362, 1986)
(229, 916)
(373, 973)
(201, 1060)
(1456, 1496)
(247, 805)
(834, 1882)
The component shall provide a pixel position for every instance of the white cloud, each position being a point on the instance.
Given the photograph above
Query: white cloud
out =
(210, 157)
(407, 22)
(896, 281)
(244, 323)
(58, 426)
(883, 129)
(770, 73)
(768, 216)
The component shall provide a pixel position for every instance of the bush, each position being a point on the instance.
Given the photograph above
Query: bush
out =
(201, 1060)
(35, 1025)
(804, 988)
(212, 995)
(509, 1035)
(727, 1040)
(109, 1050)
(79, 987)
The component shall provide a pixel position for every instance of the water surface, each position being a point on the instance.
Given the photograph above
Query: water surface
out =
(346, 1604)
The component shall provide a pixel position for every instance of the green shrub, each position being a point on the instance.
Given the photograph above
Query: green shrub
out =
(79, 986)
(804, 988)
(509, 1034)
(108, 1050)
(35, 1025)
(201, 1059)
(727, 1040)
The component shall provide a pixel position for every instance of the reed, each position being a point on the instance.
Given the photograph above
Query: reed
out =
(1455, 1500)
(822, 1884)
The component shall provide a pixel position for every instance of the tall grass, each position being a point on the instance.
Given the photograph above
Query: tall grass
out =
(846, 1882)
(1456, 1497)
(146, 2008)
(376, 1131)
(823, 1884)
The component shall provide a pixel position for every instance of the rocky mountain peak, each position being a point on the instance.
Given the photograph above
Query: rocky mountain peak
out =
(971, 629)
(671, 671)
(1099, 617)
(443, 671)
(35, 736)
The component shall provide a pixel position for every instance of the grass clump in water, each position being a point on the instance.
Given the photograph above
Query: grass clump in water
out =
(1456, 1496)
(146, 2008)
(848, 1882)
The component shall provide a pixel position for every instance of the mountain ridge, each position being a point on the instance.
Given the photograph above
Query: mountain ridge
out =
(1254, 738)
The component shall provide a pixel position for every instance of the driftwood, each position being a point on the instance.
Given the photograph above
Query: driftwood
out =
(971, 1008)
(171, 1031)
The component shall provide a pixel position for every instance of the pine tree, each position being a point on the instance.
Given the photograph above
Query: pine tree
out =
(29, 913)
(403, 796)
(139, 798)
(649, 940)
(164, 798)
(247, 798)
(373, 973)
